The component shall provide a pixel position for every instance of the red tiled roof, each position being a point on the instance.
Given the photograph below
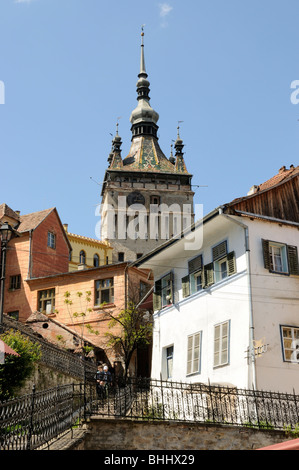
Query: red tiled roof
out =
(31, 221)
(282, 175)
(5, 210)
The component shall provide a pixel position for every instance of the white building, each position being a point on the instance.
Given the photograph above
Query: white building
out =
(226, 311)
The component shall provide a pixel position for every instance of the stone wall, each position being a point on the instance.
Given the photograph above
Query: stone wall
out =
(44, 378)
(105, 434)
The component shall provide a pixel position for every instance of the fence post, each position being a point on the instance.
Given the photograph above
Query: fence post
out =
(31, 419)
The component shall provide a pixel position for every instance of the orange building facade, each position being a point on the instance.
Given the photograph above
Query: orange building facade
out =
(82, 300)
(38, 280)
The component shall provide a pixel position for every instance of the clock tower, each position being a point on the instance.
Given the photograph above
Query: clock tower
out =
(146, 197)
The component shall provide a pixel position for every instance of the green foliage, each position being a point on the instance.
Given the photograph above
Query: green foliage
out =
(293, 432)
(135, 331)
(153, 412)
(16, 369)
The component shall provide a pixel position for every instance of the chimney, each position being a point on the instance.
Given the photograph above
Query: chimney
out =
(66, 226)
(282, 169)
(252, 190)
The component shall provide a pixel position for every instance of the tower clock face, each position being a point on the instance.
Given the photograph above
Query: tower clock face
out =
(135, 198)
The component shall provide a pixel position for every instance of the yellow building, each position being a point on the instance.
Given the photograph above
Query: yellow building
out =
(87, 252)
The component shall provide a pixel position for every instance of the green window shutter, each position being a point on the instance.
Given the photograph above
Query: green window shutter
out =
(157, 301)
(293, 259)
(209, 274)
(231, 263)
(174, 292)
(266, 254)
(220, 250)
(195, 264)
(185, 286)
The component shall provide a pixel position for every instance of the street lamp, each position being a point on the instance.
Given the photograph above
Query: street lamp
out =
(6, 232)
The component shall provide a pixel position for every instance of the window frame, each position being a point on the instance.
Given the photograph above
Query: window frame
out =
(191, 361)
(282, 256)
(193, 277)
(221, 349)
(158, 300)
(99, 288)
(289, 259)
(169, 361)
(51, 241)
(167, 289)
(49, 297)
(15, 282)
(96, 260)
(293, 339)
(82, 257)
(223, 257)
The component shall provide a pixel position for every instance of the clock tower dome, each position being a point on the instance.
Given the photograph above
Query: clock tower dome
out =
(147, 198)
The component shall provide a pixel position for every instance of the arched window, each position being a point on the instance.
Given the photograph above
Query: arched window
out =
(82, 257)
(96, 260)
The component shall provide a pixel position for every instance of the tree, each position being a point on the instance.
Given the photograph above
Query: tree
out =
(84, 310)
(135, 330)
(16, 369)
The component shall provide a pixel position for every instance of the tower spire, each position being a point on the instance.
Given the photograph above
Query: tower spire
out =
(143, 118)
(142, 61)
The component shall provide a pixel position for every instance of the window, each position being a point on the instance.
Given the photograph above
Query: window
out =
(221, 339)
(194, 281)
(163, 295)
(104, 291)
(121, 257)
(46, 301)
(169, 362)
(96, 260)
(166, 290)
(51, 240)
(82, 257)
(15, 282)
(290, 337)
(193, 353)
(280, 258)
(155, 200)
(224, 262)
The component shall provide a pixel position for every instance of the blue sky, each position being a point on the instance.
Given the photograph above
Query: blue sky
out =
(70, 68)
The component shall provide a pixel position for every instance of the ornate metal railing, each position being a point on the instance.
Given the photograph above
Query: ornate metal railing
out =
(34, 420)
(163, 400)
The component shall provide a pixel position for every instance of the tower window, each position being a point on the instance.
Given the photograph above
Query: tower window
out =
(96, 260)
(155, 200)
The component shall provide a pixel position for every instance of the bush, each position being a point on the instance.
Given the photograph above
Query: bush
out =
(16, 369)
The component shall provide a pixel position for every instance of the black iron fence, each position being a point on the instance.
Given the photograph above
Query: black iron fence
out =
(34, 420)
(150, 399)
